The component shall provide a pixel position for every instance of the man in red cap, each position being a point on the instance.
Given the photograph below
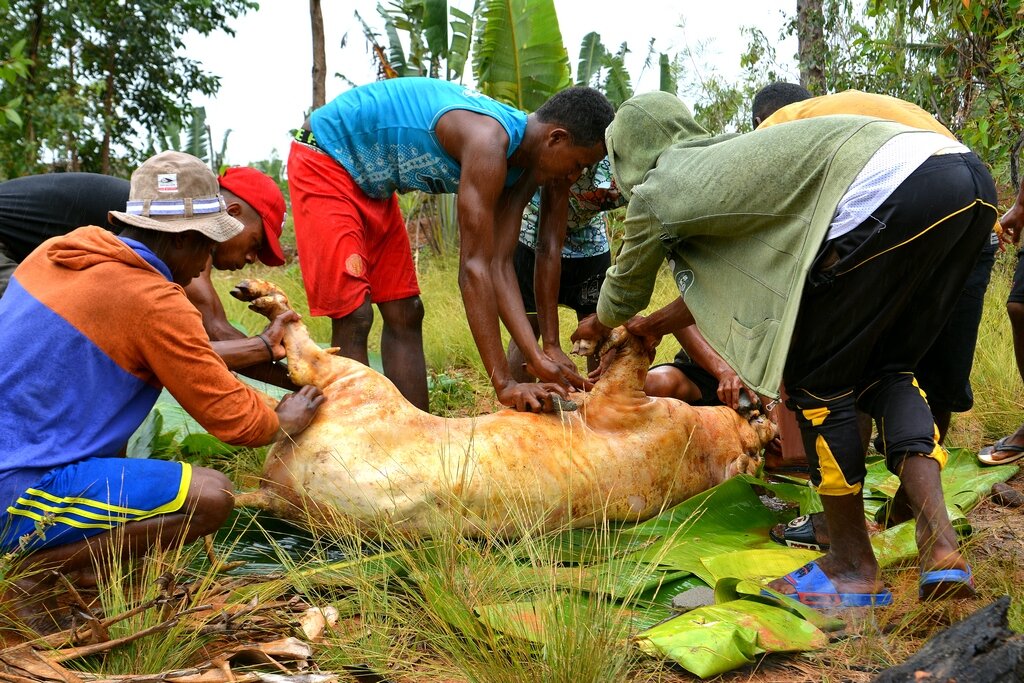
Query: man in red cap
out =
(36, 208)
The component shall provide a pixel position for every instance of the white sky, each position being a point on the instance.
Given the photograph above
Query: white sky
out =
(265, 69)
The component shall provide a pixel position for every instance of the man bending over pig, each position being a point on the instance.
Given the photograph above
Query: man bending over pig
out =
(835, 277)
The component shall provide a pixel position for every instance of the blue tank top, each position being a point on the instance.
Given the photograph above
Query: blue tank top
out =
(383, 133)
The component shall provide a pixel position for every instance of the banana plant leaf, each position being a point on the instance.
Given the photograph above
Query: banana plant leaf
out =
(462, 34)
(534, 620)
(592, 57)
(711, 640)
(759, 565)
(519, 56)
(530, 619)
(722, 520)
(654, 605)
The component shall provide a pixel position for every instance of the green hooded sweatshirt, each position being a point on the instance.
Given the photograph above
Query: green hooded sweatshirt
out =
(739, 218)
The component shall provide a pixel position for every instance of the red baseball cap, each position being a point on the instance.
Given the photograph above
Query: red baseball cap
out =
(259, 191)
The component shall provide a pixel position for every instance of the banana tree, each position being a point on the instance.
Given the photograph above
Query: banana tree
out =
(438, 38)
(519, 57)
(602, 69)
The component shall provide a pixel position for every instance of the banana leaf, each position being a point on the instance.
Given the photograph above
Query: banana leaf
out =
(592, 57)
(458, 52)
(529, 619)
(722, 520)
(435, 26)
(711, 640)
(519, 56)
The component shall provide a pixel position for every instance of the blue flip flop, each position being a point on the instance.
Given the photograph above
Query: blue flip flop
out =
(940, 584)
(814, 589)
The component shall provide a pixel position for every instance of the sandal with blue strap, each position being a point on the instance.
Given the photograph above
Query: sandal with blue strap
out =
(942, 584)
(815, 589)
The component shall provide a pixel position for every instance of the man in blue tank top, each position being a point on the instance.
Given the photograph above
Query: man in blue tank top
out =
(405, 134)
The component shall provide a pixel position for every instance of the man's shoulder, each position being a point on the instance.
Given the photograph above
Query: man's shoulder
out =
(63, 182)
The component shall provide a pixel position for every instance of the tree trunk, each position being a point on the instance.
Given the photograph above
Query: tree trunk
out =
(811, 44)
(108, 117)
(72, 140)
(35, 37)
(316, 19)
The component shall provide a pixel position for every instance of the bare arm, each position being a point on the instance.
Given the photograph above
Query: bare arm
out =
(546, 366)
(1014, 219)
(700, 352)
(547, 276)
(241, 353)
(201, 293)
(665, 320)
(480, 150)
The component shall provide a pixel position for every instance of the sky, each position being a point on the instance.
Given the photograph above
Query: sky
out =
(265, 69)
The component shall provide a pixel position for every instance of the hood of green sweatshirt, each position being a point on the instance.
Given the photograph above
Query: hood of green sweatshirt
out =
(643, 128)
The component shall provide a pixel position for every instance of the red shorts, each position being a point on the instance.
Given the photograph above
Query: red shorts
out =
(350, 245)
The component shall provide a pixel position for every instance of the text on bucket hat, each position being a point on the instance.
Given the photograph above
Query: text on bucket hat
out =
(259, 191)
(176, 192)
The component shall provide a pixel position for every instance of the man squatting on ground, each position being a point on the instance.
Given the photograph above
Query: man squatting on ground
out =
(437, 137)
(944, 372)
(36, 208)
(835, 278)
(113, 309)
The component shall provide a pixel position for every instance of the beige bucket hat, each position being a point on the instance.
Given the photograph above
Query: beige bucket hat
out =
(175, 192)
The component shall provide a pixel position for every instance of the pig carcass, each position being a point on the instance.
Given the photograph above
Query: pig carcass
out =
(373, 462)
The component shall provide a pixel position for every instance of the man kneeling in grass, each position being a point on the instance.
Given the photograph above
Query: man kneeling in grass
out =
(96, 324)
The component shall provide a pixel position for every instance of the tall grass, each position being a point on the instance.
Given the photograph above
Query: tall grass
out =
(998, 390)
(489, 610)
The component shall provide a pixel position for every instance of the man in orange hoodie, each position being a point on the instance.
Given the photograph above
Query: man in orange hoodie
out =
(37, 207)
(101, 324)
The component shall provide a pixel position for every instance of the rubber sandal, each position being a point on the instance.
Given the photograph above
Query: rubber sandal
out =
(799, 533)
(985, 454)
(815, 589)
(942, 584)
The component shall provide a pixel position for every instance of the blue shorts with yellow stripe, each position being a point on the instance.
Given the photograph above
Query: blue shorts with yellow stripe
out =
(92, 496)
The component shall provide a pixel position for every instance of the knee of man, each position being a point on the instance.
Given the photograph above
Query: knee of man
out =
(404, 313)
(360, 320)
(414, 311)
(210, 501)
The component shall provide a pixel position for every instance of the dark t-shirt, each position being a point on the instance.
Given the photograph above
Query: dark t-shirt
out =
(35, 208)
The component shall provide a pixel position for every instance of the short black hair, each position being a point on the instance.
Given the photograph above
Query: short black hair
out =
(775, 96)
(583, 112)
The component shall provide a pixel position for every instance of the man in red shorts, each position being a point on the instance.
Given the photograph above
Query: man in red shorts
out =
(422, 134)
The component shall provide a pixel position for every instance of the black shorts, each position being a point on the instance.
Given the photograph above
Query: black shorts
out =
(579, 286)
(870, 311)
(706, 383)
(944, 372)
(1017, 288)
